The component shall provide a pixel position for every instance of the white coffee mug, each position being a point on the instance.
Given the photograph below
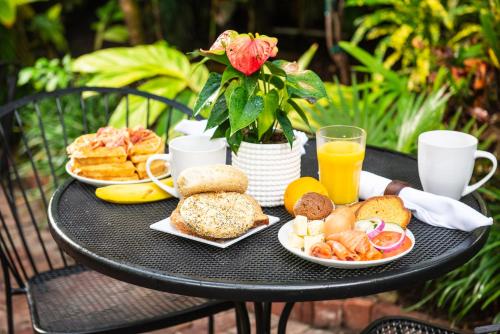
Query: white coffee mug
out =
(186, 152)
(446, 162)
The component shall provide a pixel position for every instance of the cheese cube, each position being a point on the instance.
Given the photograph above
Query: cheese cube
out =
(315, 227)
(300, 225)
(295, 241)
(310, 240)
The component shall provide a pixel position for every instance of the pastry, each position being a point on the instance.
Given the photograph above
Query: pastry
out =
(388, 208)
(313, 206)
(214, 178)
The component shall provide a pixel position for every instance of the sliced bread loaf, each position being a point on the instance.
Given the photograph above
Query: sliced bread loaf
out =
(388, 208)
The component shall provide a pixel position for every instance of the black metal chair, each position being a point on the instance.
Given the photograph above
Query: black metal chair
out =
(405, 325)
(63, 296)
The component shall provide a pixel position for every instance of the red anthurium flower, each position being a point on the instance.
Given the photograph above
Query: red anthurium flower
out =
(219, 46)
(247, 53)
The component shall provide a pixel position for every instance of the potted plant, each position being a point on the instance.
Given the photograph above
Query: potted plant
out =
(249, 104)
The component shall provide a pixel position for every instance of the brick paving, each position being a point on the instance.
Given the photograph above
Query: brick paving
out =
(347, 316)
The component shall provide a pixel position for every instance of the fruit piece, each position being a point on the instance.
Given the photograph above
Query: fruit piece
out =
(315, 227)
(300, 225)
(310, 240)
(295, 240)
(339, 220)
(296, 189)
(134, 193)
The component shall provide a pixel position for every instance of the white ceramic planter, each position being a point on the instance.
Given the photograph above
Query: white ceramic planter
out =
(270, 168)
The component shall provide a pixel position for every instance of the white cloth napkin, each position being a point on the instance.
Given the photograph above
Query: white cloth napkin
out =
(432, 209)
(193, 127)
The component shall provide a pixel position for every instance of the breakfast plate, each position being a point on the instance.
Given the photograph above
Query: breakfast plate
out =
(288, 227)
(102, 183)
(165, 226)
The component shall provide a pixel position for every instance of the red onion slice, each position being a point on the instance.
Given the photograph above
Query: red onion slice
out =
(372, 226)
(394, 228)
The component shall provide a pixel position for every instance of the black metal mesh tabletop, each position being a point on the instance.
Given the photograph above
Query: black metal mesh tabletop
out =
(116, 240)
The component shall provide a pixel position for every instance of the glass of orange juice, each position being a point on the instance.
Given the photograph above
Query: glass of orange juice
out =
(341, 150)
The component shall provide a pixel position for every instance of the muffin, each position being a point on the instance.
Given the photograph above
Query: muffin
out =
(313, 206)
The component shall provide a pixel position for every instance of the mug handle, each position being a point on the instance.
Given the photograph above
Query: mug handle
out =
(164, 157)
(493, 159)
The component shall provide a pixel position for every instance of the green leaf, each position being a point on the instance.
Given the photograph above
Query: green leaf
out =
(237, 100)
(301, 112)
(234, 140)
(208, 94)
(305, 84)
(218, 114)
(229, 74)
(198, 76)
(251, 111)
(267, 117)
(220, 131)
(307, 56)
(286, 125)
(166, 87)
(155, 59)
(7, 12)
(250, 82)
(117, 79)
(117, 33)
(275, 69)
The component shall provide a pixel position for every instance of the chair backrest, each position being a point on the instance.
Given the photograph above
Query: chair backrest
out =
(34, 133)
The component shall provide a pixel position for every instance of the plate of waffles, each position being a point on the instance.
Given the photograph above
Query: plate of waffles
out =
(102, 183)
(115, 156)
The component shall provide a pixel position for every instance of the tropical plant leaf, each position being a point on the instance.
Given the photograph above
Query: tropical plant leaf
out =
(305, 84)
(300, 112)
(208, 94)
(155, 59)
(218, 114)
(252, 109)
(237, 100)
(267, 117)
(307, 56)
(137, 105)
(286, 126)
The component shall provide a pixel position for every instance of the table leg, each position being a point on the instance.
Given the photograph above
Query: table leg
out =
(242, 321)
(262, 317)
(284, 318)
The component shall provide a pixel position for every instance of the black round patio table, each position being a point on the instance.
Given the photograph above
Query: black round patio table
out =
(116, 240)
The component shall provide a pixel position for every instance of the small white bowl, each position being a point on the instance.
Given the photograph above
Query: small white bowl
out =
(102, 183)
(287, 228)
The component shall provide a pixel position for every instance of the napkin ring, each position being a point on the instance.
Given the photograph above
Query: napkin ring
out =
(395, 186)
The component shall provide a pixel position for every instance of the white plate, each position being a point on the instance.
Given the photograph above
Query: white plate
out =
(102, 183)
(165, 226)
(287, 228)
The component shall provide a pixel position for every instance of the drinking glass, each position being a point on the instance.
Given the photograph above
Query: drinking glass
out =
(341, 150)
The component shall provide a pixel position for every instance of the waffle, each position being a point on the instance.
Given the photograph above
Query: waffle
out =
(157, 168)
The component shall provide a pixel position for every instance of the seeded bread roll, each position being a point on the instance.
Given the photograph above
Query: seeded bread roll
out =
(214, 178)
(220, 215)
(313, 206)
(388, 208)
(176, 219)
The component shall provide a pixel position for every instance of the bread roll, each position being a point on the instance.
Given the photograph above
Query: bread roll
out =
(218, 215)
(214, 178)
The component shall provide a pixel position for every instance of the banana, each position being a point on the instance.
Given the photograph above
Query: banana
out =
(134, 193)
